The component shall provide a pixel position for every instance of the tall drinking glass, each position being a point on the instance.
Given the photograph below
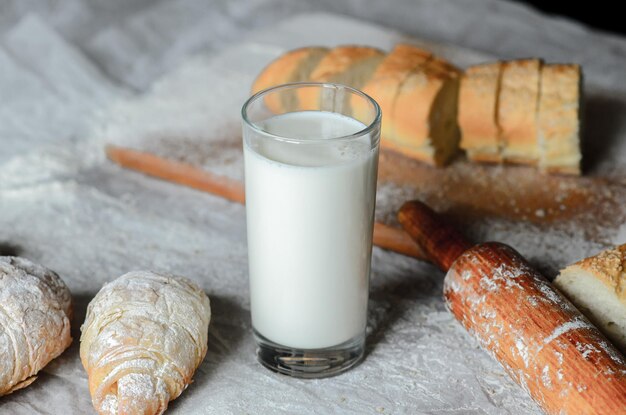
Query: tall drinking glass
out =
(311, 161)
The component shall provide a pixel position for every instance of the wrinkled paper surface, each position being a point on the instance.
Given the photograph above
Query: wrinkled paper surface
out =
(166, 76)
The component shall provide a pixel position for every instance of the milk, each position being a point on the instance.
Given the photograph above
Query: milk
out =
(310, 214)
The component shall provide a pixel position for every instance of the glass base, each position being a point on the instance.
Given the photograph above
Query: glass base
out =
(309, 363)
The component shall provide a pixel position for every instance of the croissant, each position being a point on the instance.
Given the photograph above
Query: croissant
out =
(35, 314)
(143, 338)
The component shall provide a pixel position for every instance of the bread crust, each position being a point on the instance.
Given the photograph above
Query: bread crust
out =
(339, 59)
(566, 170)
(442, 66)
(597, 286)
(478, 109)
(481, 156)
(414, 110)
(386, 81)
(559, 118)
(35, 315)
(332, 66)
(143, 338)
(410, 119)
(285, 69)
(517, 110)
(400, 61)
(424, 154)
(609, 267)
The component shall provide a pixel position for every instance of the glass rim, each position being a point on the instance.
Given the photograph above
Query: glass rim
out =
(368, 128)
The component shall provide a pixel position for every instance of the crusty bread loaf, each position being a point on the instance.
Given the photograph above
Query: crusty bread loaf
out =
(559, 119)
(597, 286)
(293, 66)
(386, 81)
(425, 113)
(348, 65)
(517, 110)
(478, 111)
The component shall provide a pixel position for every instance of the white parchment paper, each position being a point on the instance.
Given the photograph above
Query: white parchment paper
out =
(76, 74)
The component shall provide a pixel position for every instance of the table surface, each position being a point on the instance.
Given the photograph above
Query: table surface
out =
(64, 65)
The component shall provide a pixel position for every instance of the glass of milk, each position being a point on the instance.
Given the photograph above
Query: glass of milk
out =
(311, 161)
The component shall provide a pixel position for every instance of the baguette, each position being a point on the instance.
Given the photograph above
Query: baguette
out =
(293, 66)
(517, 110)
(425, 112)
(478, 112)
(386, 81)
(597, 286)
(348, 65)
(559, 119)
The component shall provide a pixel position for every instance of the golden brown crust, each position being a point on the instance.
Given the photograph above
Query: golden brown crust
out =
(517, 110)
(144, 336)
(337, 66)
(482, 157)
(559, 118)
(522, 159)
(285, 69)
(413, 106)
(570, 171)
(424, 154)
(386, 81)
(281, 70)
(441, 65)
(339, 59)
(609, 267)
(425, 101)
(21, 385)
(401, 60)
(477, 114)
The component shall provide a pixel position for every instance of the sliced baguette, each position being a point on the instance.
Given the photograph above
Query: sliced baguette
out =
(559, 119)
(425, 112)
(517, 110)
(386, 81)
(597, 286)
(439, 64)
(348, 65)
(293, 66)
(478, 112)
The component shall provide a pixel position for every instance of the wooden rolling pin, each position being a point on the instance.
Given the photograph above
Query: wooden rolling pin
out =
(544, 343)
(385, 236)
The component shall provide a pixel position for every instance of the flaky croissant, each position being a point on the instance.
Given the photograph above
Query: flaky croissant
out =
(143, 338)
(35, 313)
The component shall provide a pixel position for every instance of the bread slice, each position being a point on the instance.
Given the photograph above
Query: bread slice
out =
(439, 64)
(559, 119)
(386, 81)
(517, 110)
(478, 112)
(293, 66)
(348, 65)
(425, 112)
(597, 286)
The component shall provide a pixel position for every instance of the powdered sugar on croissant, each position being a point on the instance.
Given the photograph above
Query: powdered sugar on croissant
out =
(143, 338)
(35, 313)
